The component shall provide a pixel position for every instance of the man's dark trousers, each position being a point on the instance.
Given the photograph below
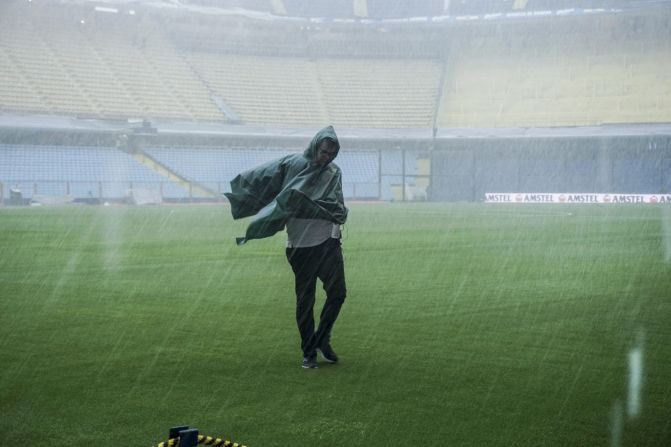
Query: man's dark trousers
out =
(324, 262)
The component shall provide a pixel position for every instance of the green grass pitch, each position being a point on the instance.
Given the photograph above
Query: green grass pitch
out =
(464, 325)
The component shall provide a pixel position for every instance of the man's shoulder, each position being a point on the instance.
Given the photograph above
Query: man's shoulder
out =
(294, 160)
(334, 168)
(294, 156)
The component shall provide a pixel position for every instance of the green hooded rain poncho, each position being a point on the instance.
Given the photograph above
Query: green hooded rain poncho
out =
(293, 186)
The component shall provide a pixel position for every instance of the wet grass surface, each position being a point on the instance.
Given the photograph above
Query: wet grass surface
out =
(465, 324)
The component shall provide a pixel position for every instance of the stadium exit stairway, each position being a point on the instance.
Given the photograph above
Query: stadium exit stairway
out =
(194, 188)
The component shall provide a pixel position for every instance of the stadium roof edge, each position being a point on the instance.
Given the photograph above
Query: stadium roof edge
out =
(269, 16)
(51, 123)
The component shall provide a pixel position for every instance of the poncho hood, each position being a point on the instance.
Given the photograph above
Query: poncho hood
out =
(327, 133)
(292, 186)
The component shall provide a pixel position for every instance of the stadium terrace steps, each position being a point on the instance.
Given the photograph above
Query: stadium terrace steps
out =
(264, 90)
(15, 93)
(192, 172)
(78, 171)
(102, 73)
(511, 80)
(193, 187)
(575, 72)
(384, 93)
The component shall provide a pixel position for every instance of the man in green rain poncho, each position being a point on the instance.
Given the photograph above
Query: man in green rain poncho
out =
(302, 192)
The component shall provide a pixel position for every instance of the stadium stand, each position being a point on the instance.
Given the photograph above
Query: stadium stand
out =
(294, 91)
(249, 71)
(383, 93)
(215, 167)
(264, 90)
(107, 173)
(559, 75)
(98, 69)
(394, 9)
(256, 5)
(82, 172)
(575, 72)
(319, 8)
(15, 92)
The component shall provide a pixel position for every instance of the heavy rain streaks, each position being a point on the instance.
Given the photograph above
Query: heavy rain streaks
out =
(506, 170)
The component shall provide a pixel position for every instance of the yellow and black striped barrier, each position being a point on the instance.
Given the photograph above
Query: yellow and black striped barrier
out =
(207, 440)
(185, 437)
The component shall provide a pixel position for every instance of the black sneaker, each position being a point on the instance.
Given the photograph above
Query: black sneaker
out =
(310, 362)
(328, 353)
